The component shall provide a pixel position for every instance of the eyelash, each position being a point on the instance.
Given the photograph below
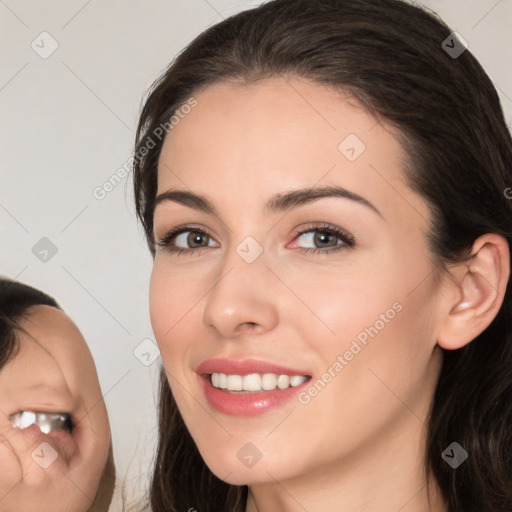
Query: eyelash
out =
(165, 241)
(347, 239)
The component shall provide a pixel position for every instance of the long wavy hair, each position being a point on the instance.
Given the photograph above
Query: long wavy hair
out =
(394, 58)
(16, 301)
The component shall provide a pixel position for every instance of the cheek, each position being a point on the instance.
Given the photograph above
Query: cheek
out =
(374, 314)
(374, 293)
(372, 367)
(164, 296)
(386, 341)
(10, 472)
(173, 299)
(339, 304)
(10, 469)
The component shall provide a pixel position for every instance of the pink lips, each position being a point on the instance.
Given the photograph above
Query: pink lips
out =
(246, 404)
(245, 367)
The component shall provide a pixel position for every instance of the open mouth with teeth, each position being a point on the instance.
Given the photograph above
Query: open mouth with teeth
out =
(255, 382)
(57, 428)
(46, 421)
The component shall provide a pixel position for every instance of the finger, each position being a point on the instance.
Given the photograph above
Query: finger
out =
(40, 455)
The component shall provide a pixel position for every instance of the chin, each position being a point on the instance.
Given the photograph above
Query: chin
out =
(235, 472)
(244, 477)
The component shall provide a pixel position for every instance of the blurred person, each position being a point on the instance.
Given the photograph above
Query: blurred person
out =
(47, 373)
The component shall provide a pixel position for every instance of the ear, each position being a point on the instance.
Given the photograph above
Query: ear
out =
(475, 293)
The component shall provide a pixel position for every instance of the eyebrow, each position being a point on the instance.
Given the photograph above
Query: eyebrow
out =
(278, 203)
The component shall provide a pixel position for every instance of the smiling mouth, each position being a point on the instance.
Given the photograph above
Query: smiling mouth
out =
(255, 382)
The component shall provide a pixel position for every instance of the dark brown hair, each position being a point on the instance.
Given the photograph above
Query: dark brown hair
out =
(388, 55)
(16, 300)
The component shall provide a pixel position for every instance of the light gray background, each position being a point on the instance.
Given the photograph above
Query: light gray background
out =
(68, 123)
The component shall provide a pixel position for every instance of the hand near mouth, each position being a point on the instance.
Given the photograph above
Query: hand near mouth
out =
(44, 465)
(54, 470)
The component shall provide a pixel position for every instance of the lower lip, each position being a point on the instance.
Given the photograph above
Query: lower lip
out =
(247, 404)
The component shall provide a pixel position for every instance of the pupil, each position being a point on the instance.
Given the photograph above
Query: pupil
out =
(323, 238)
(196, 238)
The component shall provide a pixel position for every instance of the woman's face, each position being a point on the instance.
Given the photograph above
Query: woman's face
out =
(52, 372)
(334, 287)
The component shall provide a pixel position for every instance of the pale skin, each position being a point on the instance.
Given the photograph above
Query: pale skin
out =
(52, 372)
(358, 445)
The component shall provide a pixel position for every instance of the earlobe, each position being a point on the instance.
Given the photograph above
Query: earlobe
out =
(480, 286)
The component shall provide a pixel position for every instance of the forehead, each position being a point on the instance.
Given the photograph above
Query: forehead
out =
(244, 142)
(270, 123)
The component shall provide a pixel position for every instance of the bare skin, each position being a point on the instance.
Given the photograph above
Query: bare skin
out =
(357, 445)
(52, 372)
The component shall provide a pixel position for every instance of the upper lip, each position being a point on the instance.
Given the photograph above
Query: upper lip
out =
(245, 367)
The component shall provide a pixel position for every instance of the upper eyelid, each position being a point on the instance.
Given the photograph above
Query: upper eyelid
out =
(322, 227)
(178, 230)
(347, 237)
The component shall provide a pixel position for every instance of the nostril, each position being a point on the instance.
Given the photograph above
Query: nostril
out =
(249, 326)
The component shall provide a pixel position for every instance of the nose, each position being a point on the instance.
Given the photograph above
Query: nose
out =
(243, 298)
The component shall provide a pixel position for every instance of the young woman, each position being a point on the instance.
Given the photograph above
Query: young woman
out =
(55, 448)
(323, 186)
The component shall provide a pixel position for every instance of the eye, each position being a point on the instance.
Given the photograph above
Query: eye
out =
(324, 239)
(186, 239)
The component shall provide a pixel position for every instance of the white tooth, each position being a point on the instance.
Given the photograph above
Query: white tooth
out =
(255, 381)
(283, 381)
(24, 419)
(252, 382)
(269, 381)
(235, 382)
(297, 380)
(223, 381)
